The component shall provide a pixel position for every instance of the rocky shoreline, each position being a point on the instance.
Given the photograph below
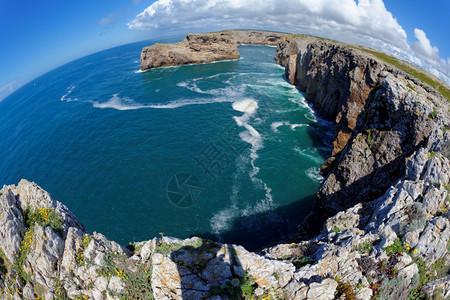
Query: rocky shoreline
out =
(380, 228)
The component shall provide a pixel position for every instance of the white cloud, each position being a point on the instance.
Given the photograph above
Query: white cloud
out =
(423, 45)
(358, 21)
(429, 56)
(341, 18)
(110, 19)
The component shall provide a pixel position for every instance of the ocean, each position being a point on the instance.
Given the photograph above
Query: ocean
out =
(227, 150)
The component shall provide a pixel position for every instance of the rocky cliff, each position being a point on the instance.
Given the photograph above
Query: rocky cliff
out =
(386, 193)
(194, 49)
(204, 48)
(382, 116)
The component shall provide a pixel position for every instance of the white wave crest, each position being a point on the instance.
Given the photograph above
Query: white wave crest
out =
(247, 106)
(127, 103)
(310, 153)
(275, 125)
(69, 90)
(140, 71)
(119, 103)
(314, 174)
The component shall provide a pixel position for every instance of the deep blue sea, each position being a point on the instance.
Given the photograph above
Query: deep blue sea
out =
(226, 150)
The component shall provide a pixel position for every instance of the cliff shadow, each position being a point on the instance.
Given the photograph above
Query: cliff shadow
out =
(367, 188)
(264, 229)
(208, 269)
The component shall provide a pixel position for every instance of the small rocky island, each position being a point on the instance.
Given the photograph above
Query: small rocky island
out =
(380, 228)
(203, 48)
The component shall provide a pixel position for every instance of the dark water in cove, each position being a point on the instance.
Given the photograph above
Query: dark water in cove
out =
(227, 150)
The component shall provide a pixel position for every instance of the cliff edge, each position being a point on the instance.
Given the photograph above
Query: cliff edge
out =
(382, 115)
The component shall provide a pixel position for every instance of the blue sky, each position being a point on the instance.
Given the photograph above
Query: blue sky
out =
(37, 36)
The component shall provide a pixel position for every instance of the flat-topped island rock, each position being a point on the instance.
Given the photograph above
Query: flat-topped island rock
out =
(204, 48)
(194, 49)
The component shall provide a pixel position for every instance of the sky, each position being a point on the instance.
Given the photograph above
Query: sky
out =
(38, 36)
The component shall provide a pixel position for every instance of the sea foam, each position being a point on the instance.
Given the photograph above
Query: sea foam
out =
(69, 90)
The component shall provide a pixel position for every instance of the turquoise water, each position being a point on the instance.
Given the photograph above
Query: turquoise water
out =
(227, 150)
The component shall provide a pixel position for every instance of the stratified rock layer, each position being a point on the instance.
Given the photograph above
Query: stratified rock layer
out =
(194, 49)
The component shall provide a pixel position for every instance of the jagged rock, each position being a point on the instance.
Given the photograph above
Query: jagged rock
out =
(434, 239)
(46, 249)
(166, 280)
(438, 288)
(267, 273)
(11, 226)
(324, 290)
(29, 194)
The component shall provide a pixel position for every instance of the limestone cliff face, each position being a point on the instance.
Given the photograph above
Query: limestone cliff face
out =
(337, 78)
(382, 116)
(194, 49)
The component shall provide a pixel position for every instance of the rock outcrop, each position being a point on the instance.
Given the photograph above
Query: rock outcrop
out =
(386, 193)
(255, 37)
(194, 49)
(204, 48)
(382, 117)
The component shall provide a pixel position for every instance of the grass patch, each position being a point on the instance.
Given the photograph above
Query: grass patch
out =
(406, 67)
(302, 262)
(365, 248)
(345, 289)
(135, 276)
(369, 136)
(336, 229)
(410, 86)
(432, 115)
(166, 248)
(44, 217)
(3, 262)
(87, 240)
(236, 288)
(395, 248)
(25, 248)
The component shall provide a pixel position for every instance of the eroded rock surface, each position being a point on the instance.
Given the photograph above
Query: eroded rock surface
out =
(194, 49)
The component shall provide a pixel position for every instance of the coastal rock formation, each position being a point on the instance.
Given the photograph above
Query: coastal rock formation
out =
(394, 246)
(204, 48)
(382, 213)
(194, 49)
(382, 116)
